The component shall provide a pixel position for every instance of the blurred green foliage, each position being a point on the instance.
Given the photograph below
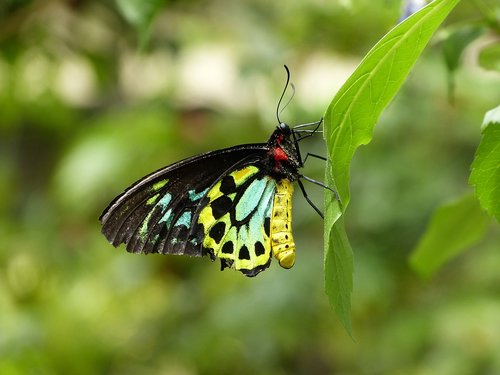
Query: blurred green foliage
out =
(442, 241)
(84, 112)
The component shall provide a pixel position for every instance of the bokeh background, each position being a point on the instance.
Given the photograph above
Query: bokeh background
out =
(95, 94)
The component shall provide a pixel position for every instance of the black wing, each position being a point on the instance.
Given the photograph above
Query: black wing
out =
(158, 213)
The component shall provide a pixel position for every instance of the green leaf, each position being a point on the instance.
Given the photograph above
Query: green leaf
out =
(338, 273)
(485, 176)
(489, 57)
(140, 13)
(453, 229)
(349, 123)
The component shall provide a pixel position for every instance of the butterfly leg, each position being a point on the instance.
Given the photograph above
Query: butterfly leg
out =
(319, 183)
(324, 186)
(308, 132)
(314, 156)
(311, 203)
(297, 138)
(316, 123)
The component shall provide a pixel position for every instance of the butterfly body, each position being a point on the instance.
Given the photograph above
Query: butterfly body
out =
(233, 204)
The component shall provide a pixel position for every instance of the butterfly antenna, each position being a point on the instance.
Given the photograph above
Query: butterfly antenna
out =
(278, 110)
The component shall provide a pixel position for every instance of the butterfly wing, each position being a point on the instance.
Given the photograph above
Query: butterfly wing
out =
(159, 213)
(236, 219)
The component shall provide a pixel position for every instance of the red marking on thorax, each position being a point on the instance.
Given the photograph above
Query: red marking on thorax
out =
(279, 155)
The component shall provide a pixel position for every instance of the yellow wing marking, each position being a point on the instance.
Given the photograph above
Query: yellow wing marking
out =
(241, 175)
(206, 216)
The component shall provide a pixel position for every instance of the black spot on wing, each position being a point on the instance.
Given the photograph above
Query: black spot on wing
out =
(244, 253)
(228, 247)
(267, 226)
(217, 231)
(221, 206)
(259, 248)
(227, 185)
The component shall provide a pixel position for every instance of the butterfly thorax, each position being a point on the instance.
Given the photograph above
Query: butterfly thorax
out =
(284, 159)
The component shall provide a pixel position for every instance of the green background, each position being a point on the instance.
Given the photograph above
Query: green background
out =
(94, 95)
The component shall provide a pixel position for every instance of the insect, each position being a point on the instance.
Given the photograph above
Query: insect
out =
(234, 204)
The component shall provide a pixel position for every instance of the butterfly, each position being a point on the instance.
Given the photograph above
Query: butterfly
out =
(233, 204)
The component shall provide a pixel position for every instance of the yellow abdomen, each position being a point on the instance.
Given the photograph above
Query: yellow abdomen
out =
(282, 244)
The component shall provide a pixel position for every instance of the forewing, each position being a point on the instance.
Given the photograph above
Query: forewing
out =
(159, 212)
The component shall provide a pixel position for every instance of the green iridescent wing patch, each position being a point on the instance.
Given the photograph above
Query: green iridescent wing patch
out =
(236, 220)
